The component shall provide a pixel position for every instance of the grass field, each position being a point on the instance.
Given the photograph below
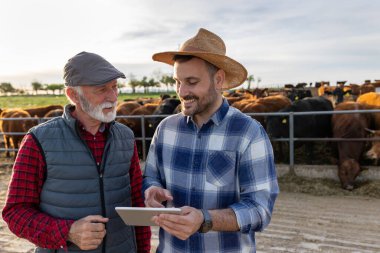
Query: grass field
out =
(43, 100)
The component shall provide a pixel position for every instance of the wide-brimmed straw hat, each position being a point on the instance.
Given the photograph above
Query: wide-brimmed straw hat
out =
(209, 47)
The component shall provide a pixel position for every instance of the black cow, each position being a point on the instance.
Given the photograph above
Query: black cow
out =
(166, 107)
(305, 126)
(298, 94)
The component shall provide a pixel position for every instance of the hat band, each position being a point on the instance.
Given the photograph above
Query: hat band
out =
(196, 49)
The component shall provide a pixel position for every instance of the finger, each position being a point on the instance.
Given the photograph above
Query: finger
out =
(177, 233)
(151, 192)
(186, 209)
(98, 235)
(155, 220)
(97, 227)
(173, 218)
(96, 218)
(153, 203)
(168, 195)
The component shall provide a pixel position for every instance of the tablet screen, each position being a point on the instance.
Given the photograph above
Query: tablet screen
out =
(142, 216)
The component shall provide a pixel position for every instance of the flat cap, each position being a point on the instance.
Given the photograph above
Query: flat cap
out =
(89, 69)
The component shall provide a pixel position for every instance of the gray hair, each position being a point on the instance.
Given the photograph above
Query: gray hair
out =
(77, 89)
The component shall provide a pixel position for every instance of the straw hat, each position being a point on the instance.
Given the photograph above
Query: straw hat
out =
(209, 47)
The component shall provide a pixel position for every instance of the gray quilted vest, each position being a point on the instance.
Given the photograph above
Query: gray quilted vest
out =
(76, 186)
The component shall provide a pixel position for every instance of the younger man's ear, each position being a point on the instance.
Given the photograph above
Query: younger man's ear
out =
(219, 78)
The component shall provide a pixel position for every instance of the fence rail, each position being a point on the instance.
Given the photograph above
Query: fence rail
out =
(291, 140)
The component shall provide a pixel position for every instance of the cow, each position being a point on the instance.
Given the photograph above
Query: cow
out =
(374, 151)
(305, 126)
(240, 104)
(349, 152)
(54, 113)
(259, 93)
(166, 107)
(135, 123)
(355, 91)
(15, 126)
(366, 88)
(370, 98)
(297, 94)
(41, 111)
(126, 108)
(241, 99)
(266, 104)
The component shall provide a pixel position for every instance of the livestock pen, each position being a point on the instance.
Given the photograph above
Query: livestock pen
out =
(289, 166)
(301, 222)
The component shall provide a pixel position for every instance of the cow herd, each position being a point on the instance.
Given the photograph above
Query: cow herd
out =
(330, 125)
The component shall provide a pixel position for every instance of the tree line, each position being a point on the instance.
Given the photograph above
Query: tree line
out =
(134, 83)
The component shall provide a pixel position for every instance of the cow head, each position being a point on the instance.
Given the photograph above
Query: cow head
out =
(278, 126)
(29, 123)
(348, 170)
(374, 152)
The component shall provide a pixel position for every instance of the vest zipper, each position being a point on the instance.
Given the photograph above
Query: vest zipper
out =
(103, 206)
(101, 170)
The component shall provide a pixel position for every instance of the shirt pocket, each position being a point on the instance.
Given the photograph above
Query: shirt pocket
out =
(221, 167)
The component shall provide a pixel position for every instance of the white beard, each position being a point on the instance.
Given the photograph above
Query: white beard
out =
(96, 112)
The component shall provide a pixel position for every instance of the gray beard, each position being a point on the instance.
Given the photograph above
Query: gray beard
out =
(96, 112)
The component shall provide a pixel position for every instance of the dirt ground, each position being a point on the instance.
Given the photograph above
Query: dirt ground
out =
(309, 216)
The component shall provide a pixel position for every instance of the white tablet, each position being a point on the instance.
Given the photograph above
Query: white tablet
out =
(142, 216)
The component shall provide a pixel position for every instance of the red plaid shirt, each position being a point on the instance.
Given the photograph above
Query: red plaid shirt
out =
(21, 211)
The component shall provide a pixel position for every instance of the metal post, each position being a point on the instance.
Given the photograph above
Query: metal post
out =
(291, 143)
(143, 137)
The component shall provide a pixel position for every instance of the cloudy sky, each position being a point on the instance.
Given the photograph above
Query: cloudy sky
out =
(278, 41)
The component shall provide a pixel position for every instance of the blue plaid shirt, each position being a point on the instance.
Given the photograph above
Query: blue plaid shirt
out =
(227, 163)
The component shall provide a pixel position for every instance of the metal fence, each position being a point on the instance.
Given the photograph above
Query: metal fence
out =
(291, 140)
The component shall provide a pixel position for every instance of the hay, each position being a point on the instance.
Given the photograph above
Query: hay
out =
(327, 187)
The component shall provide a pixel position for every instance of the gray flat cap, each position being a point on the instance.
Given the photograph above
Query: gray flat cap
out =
(89, 69)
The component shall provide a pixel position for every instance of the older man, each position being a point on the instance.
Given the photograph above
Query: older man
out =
(72, 171)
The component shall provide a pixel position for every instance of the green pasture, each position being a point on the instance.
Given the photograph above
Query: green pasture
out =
(28, 101)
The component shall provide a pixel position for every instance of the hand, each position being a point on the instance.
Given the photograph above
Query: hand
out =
(154, 196)
(88, 232)
(183, 225)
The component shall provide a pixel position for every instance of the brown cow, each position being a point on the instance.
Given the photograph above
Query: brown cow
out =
(349, 152)
(54, 113)
(374, 152)
(135, 123)
(267, 104)
(275, 103)
(15, 126)
(126, 108)
(41, 111)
